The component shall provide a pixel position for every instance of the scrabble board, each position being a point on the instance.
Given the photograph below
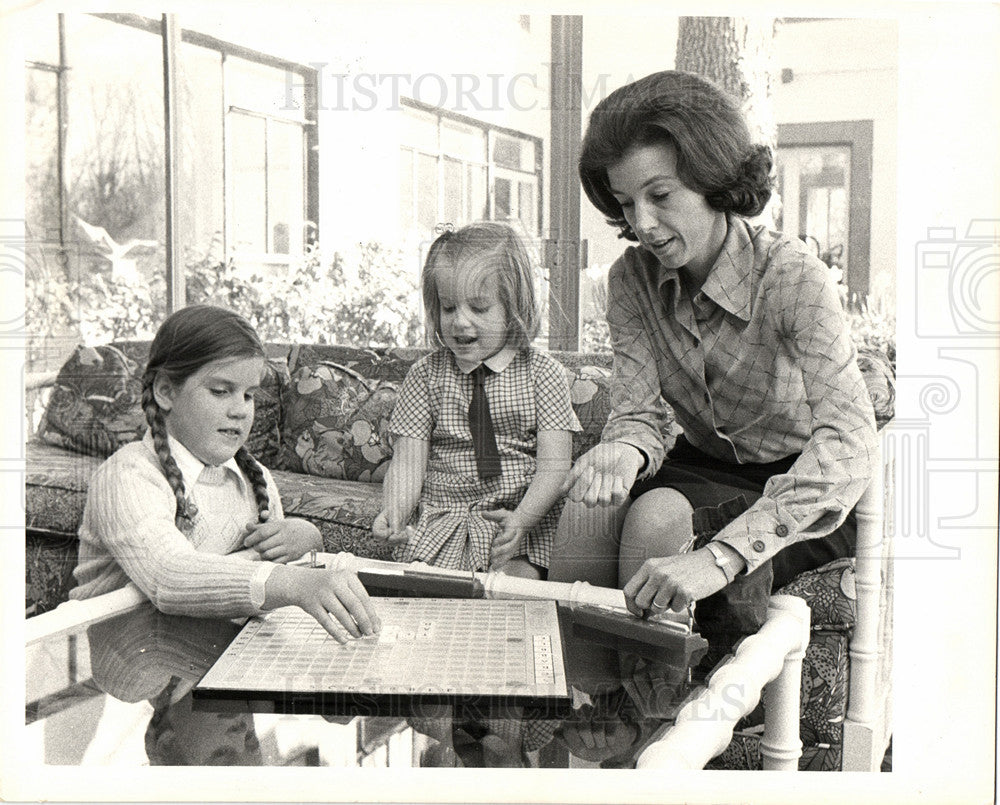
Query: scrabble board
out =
(480, 652)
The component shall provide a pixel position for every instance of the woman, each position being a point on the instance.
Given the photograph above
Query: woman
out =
(741, 331)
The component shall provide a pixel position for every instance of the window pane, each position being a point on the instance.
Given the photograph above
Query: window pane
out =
(50, 334)
(285, 188)
(514, 153)
(453, 192)
(406, 189)
(420, 130)
(40, 37)
(501, 199)
(526, 206)
(507, 152)
(477, 193)
(201, 213)
(114, 169)
(463, 142)
(41, 155)
(814, 182)
(263, 89)
(248, 225)
(427, 213)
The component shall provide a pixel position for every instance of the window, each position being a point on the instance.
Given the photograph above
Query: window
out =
(456, 170)
(96, 173)
(824, 179)
(266, 160)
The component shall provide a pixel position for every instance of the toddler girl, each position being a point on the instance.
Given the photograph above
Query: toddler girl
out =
(483, 426)
(165, 511)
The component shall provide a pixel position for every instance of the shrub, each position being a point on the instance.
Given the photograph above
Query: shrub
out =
(369, 297)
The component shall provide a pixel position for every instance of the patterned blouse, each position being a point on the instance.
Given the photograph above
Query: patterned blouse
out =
(758, 366)
(527, 395)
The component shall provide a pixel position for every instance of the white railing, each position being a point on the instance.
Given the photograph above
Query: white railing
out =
(769, 662)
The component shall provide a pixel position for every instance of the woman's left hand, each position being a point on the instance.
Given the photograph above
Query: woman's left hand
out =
(673, 582)
(283, 540)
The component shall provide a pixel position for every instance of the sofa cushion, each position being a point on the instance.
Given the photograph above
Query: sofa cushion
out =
(55, 488)
(829, 592)
(880, 378)
(56, 491)
(338, 404)
(342, 510)
(95, 404)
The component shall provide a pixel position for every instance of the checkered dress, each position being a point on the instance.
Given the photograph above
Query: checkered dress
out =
(529, 395)
(758, 366)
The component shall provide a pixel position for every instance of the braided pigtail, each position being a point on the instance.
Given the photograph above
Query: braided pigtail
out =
(251, 469)
(186, 510)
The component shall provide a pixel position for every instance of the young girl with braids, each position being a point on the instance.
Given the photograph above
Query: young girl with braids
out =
(166, 511)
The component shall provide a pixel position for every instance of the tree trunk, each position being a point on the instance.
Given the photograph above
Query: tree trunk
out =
(735, 53)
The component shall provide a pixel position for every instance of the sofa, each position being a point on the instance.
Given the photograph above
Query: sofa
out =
(320, 427)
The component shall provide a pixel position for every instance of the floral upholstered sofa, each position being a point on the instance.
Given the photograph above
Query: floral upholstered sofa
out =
(320, 427)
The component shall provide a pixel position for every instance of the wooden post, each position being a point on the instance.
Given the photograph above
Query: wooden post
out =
(564, 254)
(171, 143)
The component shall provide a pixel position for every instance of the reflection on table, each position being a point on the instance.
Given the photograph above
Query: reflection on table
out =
(120, 693)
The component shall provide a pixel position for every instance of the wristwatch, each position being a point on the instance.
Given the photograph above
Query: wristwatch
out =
(727, 562)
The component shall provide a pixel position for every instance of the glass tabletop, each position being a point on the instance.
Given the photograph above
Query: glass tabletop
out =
(120, 692)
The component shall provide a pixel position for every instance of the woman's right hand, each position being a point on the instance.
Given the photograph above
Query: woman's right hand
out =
(604, 474)
(335, 598)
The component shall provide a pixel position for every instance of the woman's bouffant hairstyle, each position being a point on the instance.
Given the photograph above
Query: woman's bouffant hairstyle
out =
(486, 248)
(188, 340)
(715, 156)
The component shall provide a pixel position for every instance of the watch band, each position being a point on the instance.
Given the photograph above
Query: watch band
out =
(722, 561)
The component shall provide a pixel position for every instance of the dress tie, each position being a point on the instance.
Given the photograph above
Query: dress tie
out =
(484, 439)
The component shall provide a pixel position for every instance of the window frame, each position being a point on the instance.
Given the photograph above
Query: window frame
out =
(308, 119)
(492, 168)
(858, 136)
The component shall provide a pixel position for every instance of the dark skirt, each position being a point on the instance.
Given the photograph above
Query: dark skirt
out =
(709, 483)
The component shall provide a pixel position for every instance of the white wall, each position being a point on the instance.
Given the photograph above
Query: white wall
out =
(848, 70)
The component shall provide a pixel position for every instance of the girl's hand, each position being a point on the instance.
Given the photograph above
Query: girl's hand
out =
(505, 544)
(673, 582)
(603, 475)
(335, 598)
(283, 540)
(386, 532)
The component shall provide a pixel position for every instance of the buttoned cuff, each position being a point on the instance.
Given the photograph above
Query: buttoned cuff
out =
(760, 532)
(646, 470)
(258, 583)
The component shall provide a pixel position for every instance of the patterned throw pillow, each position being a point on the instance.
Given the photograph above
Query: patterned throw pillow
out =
(95, 405)
(336, 423)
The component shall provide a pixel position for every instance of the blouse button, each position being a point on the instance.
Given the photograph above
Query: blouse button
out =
(781, 530)
(759, 546)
